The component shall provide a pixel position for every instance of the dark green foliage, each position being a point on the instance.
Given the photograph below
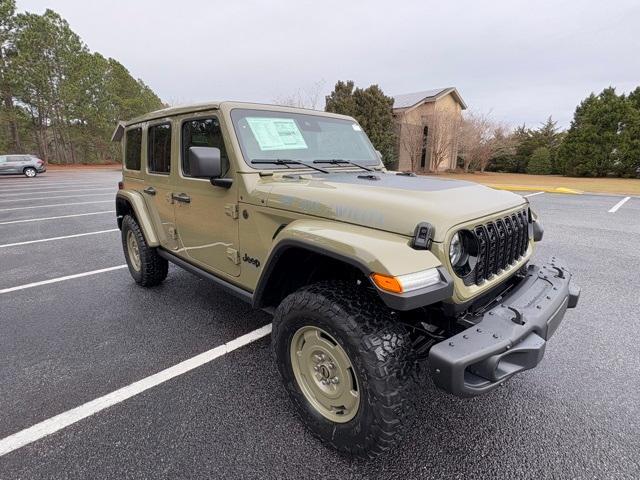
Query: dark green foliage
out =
(526, 141)
(59, 100)
(604, 136)
(372, 109)
(540, 162)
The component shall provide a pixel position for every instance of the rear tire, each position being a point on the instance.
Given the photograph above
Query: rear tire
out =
(30, 172)
(145, 265)
(379, 350)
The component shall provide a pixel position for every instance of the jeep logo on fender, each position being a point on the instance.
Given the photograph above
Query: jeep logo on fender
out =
(253, 261)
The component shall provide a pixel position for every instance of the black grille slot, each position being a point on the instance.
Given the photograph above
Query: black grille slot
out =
(511, 244)
(492, 266)
(483, 244)
(500, 245)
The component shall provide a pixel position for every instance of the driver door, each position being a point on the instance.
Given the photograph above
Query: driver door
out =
(206, 215)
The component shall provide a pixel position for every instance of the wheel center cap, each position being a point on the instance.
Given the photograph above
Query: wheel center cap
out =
(324, 371)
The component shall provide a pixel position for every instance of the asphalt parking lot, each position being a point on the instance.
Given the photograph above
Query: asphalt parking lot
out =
(71, 341)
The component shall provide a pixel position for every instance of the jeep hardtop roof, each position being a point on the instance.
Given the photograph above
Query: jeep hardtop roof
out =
(198, 107)
(213, 105)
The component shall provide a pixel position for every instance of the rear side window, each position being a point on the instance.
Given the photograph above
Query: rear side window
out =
(203, 132)
(159, 153)
(133, 148)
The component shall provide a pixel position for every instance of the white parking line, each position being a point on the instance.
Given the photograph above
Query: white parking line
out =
(60, 279)
(534, 194)
(15, 186)
(60, 196)
(617, 206)
(56, 218)
(3, 194)
(51, 239)
(63, 420)
(54, 205)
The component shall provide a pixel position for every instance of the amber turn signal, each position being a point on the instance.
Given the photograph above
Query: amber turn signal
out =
(387, 283)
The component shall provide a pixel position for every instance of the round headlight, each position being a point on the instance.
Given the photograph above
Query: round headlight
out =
(463, 252)
(456, 251)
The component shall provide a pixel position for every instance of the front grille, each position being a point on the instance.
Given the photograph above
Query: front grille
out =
(501, 243)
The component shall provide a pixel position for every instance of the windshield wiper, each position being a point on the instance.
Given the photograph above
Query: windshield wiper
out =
(337, 161)
(287, 163)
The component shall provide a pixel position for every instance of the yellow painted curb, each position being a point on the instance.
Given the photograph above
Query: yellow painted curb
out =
(529, 188)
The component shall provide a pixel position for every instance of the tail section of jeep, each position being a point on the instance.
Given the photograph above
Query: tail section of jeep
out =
(375, 279)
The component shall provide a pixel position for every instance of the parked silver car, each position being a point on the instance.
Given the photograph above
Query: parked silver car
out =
(28, 165)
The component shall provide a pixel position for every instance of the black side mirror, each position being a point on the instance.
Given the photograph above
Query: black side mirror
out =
(205, 162)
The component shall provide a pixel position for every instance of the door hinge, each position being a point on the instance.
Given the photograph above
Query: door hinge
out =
(173, 233)
(233, 255)
(231, 209)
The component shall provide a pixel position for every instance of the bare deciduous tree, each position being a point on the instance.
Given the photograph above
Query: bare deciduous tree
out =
(444, 133)
(309, 97)
(481, 139)
(437, 132)
(411, 141)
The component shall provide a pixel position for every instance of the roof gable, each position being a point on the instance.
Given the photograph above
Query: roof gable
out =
(409, 100)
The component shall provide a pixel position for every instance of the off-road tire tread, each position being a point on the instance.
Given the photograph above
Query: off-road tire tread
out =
(384, 351)
(154, 268)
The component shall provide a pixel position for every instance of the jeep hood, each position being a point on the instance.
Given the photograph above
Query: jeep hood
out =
(386, 201)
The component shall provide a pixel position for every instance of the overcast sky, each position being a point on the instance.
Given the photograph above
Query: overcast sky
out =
(523, 61)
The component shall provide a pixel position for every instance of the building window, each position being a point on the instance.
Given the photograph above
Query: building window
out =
(425, 147)
(159, 148)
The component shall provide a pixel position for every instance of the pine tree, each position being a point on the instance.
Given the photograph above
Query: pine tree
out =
(629, 148)
(594, 144)
(540, 162)
(373, 111)
(57, 99)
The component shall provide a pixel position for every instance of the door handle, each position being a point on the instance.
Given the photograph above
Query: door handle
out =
(181, 197)
(150, 190)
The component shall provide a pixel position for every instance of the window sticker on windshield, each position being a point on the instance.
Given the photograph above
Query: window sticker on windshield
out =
(356, 127)
(276, 133)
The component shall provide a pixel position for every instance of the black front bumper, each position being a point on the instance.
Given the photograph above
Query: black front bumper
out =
(508, 338)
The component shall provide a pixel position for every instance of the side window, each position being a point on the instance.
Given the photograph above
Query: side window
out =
(133, 148)
(3, 159)
(202, 132)
(159, 150)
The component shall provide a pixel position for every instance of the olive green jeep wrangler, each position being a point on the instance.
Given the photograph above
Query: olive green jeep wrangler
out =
(376, 279)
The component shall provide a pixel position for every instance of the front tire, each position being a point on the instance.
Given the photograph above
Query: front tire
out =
(348, 368)
(145, 265)
(30, 172)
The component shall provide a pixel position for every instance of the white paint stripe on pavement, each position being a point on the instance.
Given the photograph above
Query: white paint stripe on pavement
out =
(60, 196)
(63, 420)
(51, 239)
(3, 194)
(617, 206)
(54, 205)
(60, 279)
(14, 186)
(534, 194)
(57, 217)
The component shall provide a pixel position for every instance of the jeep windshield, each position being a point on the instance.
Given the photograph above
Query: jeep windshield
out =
(271, 135)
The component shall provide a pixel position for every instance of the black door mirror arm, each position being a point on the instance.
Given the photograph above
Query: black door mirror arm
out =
(222, 182)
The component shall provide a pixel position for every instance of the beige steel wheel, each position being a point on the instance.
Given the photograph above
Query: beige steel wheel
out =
(146, 266)
(348, 365)
(325, 374)
(134, 251)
